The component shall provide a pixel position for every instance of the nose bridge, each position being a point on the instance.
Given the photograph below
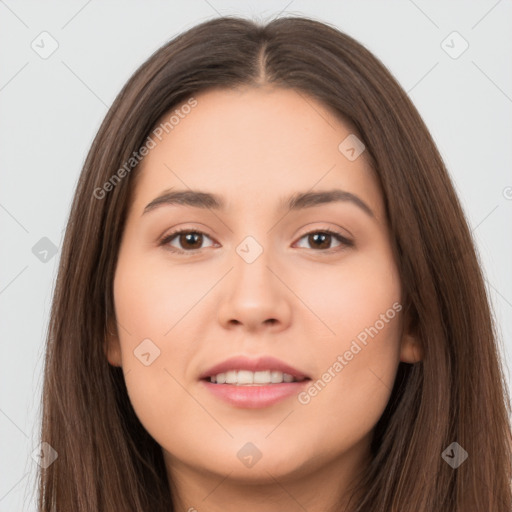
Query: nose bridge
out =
(254, 251)
(252, 275)
(255, 295)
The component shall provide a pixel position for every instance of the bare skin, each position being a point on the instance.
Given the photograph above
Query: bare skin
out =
(303, 300)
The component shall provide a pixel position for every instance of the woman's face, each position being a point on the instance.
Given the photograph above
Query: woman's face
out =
(252, 278)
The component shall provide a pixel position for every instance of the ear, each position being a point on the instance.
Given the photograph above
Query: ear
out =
(112, 346)
(411, 348)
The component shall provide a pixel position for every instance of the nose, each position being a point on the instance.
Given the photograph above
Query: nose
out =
(255, 297)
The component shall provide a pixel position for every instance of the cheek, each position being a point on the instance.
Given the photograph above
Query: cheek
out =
(167, 303)
(148, 309)
(347, 299)
(355, 386)
(359, 356)
(152, 298)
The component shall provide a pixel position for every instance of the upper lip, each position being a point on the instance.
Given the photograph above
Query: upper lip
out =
(253, 365)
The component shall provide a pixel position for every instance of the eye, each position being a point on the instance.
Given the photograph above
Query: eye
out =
(189, 240)
(321, 240)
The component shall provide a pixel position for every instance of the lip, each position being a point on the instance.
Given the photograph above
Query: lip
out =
(254, 397)
(253, 365)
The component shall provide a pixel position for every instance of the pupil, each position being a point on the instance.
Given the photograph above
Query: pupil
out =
(189, 237)
(323, 236)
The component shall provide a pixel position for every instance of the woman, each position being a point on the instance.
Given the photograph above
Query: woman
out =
(268, 295)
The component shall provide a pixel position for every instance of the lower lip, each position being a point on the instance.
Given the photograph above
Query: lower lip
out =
(255, 397)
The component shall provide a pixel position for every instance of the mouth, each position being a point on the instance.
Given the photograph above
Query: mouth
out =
(253, 383)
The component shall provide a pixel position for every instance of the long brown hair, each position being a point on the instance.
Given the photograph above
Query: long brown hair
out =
(457, 393)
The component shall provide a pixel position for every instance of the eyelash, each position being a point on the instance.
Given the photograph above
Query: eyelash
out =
(338, 236)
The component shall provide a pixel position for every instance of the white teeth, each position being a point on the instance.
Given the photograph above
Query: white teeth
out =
(230, 377)
(248, 378)
(276, 376)
(245, 377)
(262, 377)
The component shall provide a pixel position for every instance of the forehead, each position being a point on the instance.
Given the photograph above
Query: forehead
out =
(253, 145)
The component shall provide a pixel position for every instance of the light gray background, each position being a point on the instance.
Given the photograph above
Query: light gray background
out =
(51, 109)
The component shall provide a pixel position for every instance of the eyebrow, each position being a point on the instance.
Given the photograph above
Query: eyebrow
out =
(297, 201)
